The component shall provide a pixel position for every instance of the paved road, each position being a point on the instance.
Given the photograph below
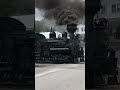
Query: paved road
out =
(60, 77)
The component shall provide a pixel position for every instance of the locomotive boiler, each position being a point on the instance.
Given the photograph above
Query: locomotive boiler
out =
(60, 50)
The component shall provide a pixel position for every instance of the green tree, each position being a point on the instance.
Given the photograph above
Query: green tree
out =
(40, 27)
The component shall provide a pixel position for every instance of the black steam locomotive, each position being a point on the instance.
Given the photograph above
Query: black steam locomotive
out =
(59, 50)
(16, 53)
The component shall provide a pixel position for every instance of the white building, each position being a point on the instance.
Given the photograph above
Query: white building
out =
(111, 11)
(46, 34)
(81, 29)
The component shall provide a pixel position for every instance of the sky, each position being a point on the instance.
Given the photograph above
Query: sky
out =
(28, 20)
(38, 14)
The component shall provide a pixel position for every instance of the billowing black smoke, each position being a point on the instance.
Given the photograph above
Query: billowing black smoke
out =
(63, 11)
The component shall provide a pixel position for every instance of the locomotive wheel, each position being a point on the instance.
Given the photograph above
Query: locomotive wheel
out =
(73, 60)
(81, 59)
(70, 60)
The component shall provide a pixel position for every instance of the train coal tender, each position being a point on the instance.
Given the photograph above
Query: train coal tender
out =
(59, 50)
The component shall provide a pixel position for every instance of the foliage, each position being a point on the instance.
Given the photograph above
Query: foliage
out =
(40, 27)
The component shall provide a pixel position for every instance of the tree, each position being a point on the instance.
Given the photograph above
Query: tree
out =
(40, 27)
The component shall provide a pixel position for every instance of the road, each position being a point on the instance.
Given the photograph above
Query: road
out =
(60, 77)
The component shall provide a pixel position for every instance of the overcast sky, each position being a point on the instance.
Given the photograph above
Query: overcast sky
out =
(28, 20)
(38, 14)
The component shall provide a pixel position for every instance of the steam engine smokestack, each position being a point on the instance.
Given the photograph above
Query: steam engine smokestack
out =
(52, 34)
(64, 35)
(71, 28)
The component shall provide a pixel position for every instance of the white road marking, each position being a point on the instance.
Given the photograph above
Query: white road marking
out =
(47, 72)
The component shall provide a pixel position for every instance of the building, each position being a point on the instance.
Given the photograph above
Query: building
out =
(81, 29)
(111, 11)
(46, 34)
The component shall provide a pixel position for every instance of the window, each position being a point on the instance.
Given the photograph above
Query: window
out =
(118, 7)
(113, 7)
(82, 29)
